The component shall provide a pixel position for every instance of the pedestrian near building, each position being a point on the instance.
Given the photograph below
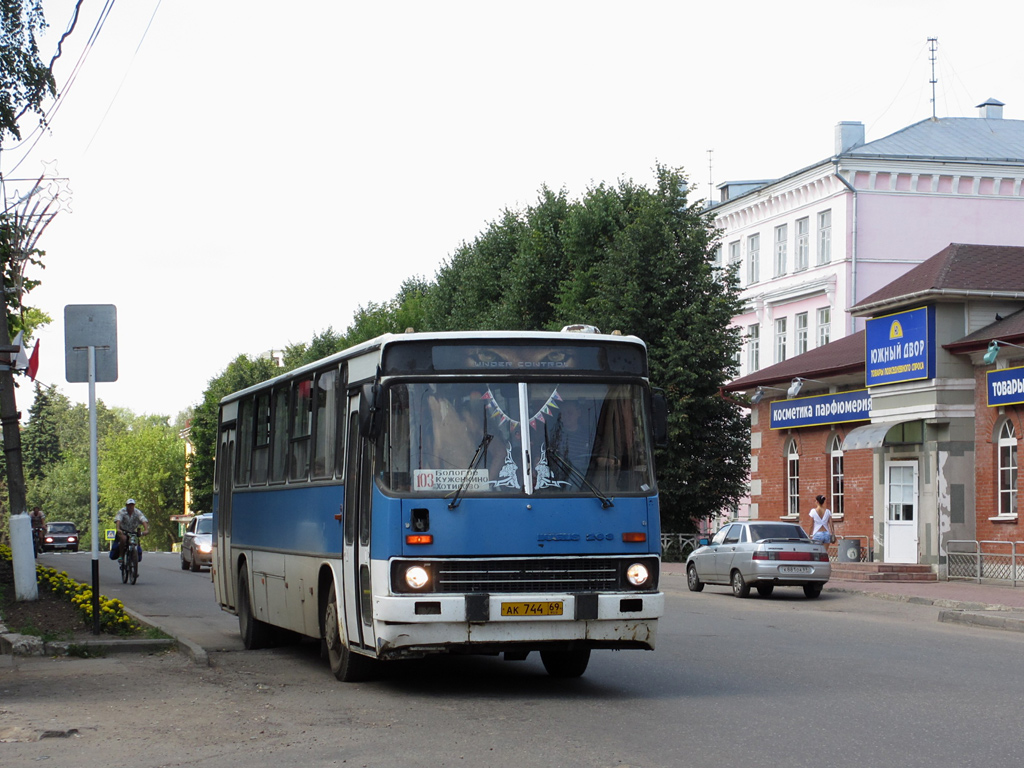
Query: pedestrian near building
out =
(821, 520)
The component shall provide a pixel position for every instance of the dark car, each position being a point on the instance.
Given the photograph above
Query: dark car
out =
(760, 554)
(197, 544)
(60, 536)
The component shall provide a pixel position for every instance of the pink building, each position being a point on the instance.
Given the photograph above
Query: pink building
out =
(813, 243)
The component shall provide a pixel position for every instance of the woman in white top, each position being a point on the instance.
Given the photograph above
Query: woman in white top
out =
(822, 520)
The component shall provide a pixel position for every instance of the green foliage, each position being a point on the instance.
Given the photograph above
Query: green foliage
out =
(242, 372)
(25, 82)
(147, 463)
(322, 345)
(40, 440)
(140, 456)
(405, 310)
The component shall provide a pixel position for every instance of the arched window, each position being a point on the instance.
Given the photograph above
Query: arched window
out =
(836, 456)
(1007, 470)
(792, 480)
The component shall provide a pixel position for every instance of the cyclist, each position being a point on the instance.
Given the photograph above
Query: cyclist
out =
(38, 527)
(127, 520)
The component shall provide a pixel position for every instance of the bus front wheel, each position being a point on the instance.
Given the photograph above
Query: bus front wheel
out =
(347, 666)
(255, 634)
(566, 663)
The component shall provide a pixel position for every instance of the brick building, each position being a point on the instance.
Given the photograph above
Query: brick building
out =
(911, 426)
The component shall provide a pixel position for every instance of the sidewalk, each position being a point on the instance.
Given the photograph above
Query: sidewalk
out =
(989, 604)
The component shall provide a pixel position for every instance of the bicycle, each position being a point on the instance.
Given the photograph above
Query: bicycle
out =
(130, 559)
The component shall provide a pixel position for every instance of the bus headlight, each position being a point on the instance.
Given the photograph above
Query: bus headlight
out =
(417, 577)
(637, 574)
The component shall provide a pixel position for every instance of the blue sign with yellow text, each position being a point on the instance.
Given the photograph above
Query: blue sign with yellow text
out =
(1005, 387)
(821, 409)
(900, 347)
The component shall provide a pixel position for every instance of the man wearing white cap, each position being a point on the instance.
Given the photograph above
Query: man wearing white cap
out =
(129, 519)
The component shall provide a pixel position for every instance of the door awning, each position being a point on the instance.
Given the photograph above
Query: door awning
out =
(868, 436)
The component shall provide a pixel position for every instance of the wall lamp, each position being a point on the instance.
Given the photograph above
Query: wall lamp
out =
(993, 350)
(798, 384)
(759, 394)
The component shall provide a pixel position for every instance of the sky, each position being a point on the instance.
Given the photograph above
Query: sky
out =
(245, 174)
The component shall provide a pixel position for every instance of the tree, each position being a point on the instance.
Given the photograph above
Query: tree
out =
(242, 372)
(25, 82)
(146, 463)
(405, 310)
(41, 438)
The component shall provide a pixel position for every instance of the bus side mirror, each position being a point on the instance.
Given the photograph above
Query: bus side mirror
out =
(659, 412)
(369, 411)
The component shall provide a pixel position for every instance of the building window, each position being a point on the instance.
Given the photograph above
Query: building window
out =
(838, 498)
(754, 347)
(801, 333)
(792, 481)
(753, 259)
(803, 247)
(734, 256)
(718, 256)
(1007, 471)
(825, 237)
(824, 326)
(780, 340)
(781, 235)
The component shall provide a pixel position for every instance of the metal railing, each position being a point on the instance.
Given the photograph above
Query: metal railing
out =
(969, 559)
(676, 547)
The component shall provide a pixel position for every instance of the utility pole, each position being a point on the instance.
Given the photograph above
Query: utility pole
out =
(933, 45)
(21, 226)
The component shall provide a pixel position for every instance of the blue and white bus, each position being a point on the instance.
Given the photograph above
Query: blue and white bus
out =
(470, 492)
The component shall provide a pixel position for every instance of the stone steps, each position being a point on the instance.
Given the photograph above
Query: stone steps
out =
(883, 572)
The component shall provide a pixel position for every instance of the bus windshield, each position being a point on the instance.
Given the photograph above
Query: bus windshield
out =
(447, 436)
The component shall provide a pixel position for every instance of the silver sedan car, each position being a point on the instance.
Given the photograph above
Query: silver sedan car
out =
(759, 554)
(197, 544)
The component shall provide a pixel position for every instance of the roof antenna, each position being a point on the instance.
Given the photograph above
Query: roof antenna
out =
(711, 183)
(933, 45)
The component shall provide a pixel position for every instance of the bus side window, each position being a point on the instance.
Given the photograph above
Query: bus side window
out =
(325, 402)
(302, 427)
(279, 438)
(261, 447)
(245, 423)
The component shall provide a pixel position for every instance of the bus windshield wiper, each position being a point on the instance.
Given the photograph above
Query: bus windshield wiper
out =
(575, 473)
(469, 470)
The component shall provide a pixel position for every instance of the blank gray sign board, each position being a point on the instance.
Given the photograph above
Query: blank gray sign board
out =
(90, 325)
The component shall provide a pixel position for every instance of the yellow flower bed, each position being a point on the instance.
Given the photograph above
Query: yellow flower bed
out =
(113, 619)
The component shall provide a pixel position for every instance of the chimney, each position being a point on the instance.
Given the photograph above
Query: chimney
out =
(991, 109)
(849, 134)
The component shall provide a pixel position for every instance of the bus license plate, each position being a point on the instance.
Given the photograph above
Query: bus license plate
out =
(531, 609)
(796, 569)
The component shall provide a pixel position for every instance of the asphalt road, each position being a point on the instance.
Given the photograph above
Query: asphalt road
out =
(845, 680)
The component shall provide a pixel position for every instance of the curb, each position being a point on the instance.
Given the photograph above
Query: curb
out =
(976, 619)
(12, 644)
(988, 615)
(195, 651)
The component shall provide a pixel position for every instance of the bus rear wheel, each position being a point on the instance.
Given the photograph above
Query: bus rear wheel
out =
(347, 666)
(255, 634)
(566, 663)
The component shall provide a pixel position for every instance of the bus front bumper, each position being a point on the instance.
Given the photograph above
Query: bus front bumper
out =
(406, 625)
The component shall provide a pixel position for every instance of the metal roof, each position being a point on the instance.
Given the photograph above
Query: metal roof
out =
(951, 138)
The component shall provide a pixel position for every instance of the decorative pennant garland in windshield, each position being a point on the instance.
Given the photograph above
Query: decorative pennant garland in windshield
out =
(545, 410)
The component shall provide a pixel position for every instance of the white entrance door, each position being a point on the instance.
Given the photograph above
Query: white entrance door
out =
(901, 512)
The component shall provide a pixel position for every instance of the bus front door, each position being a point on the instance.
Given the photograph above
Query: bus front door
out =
(356, 560)
(223, 582)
